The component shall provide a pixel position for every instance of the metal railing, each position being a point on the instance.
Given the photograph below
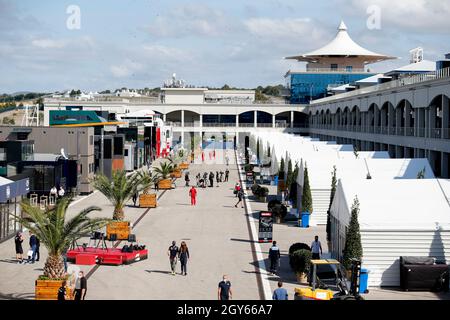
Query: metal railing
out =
(411, 80)
(432, 133)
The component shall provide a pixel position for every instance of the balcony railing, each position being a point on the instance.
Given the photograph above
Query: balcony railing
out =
(420, 78)
(432, 133)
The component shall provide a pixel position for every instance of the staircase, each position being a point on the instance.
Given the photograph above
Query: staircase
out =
(321, 202)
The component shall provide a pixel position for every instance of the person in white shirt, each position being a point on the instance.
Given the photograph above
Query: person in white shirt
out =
(54, 192)
(61, 192)
(316, 248)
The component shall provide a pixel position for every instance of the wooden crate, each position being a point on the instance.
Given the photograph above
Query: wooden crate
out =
(120, 228)
(165, 184)
(184, 166)
(281, 186)
(48, 289)
(148, 201)
(176, 174)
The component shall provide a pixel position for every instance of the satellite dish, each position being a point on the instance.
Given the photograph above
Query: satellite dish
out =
(63, 154)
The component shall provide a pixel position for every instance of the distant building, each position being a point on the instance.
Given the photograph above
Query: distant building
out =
(340, 62)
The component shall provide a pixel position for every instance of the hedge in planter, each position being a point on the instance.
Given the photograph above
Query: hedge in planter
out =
(300, 262)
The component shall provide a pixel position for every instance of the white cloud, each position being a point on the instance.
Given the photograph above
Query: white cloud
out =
(48, 43)
(417, 15)
(303, 29)
(126, 69)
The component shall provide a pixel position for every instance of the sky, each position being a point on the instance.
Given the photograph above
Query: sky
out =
(47, 46)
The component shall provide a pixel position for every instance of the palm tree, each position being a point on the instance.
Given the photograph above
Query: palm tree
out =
(164, 170)
(57, 234)
(147, 179)
(119, 189)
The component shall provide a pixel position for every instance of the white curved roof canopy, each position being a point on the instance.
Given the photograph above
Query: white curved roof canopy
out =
(342, 45)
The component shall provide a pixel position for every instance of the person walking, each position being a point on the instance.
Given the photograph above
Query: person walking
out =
(224, 292)
(227, 159)
(135, 197)
(274, 256)
(237, 187)
(33, 246)
(19, 250)
(221, 176)
(183, 255)
(203, 156)
(280, 293)
(61, 192)
(193, 195)
(186, 179)
(173, 253)
(80, 286)
(38, 245)
(240, 196)
(227, 173)
(217, 178)
(316, 248)
(211, 179)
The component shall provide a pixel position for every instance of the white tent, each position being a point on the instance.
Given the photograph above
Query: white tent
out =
(398, 217)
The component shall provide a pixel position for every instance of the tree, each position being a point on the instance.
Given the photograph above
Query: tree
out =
(281, 170)
(226, 87)
(289, 175)
(57, 234)
(164, 170)
(421, 173)
(257, 151)
(293, 186)
(268, 150)
(353, 247)
(355, 152)
(333, 192)
(119, 189)
(307, 198)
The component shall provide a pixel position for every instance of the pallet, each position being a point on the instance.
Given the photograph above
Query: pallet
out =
(120, 228)
(148, 201)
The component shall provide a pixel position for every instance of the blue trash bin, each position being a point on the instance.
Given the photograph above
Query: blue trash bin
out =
(363, 281)
(305, 219)
(275, 180)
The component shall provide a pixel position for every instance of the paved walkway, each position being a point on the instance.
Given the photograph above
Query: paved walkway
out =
(215, 231)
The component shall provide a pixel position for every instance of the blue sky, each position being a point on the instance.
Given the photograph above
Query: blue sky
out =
(140, 43)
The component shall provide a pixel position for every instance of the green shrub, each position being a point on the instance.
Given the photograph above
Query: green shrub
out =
(353, 247)
(298, 246)
(307, 198)
(300, 261)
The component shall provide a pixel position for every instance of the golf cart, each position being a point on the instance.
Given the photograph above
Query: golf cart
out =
(328, 282)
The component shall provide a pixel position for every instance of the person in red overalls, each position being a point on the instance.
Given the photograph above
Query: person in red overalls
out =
(214, 154)
(203, 156)
(193, 194)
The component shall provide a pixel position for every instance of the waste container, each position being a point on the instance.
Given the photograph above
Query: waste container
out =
(275, 180)
(363, 281)
(305, 219)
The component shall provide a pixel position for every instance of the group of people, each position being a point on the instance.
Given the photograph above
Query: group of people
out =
(57, 192)
(220, 176)
(80, 288)
(32, 254)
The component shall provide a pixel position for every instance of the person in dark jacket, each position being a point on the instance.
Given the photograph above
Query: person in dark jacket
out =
(211, 179)
(227, 173)
(135, 197)
(62, 291)
(274, 256)
(19, 250)
(80, 286)
(186, 179)
(217, 177)
(183, 256)
(38, 245)
(240, 195)
(33, 246)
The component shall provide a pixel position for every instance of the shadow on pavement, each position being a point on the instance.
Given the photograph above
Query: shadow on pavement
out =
(17, 296)
(158, 271)
(243, 240)
(14, 261)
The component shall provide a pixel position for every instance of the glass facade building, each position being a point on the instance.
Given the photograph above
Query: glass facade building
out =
(307, 86)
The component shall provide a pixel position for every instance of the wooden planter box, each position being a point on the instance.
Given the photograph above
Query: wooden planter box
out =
(281, 186)
(147, 201)
(48, 289)
(165, 184)
(176, 174)
(120, 228)
(183, 166)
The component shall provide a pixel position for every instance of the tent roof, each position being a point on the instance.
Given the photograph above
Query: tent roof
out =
(397, 204)
(342, 45)
(422, 66)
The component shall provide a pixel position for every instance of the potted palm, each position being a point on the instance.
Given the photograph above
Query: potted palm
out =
(147, 199)
(300, 263)
(118, 190)
(57, 233)
(163, 175)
